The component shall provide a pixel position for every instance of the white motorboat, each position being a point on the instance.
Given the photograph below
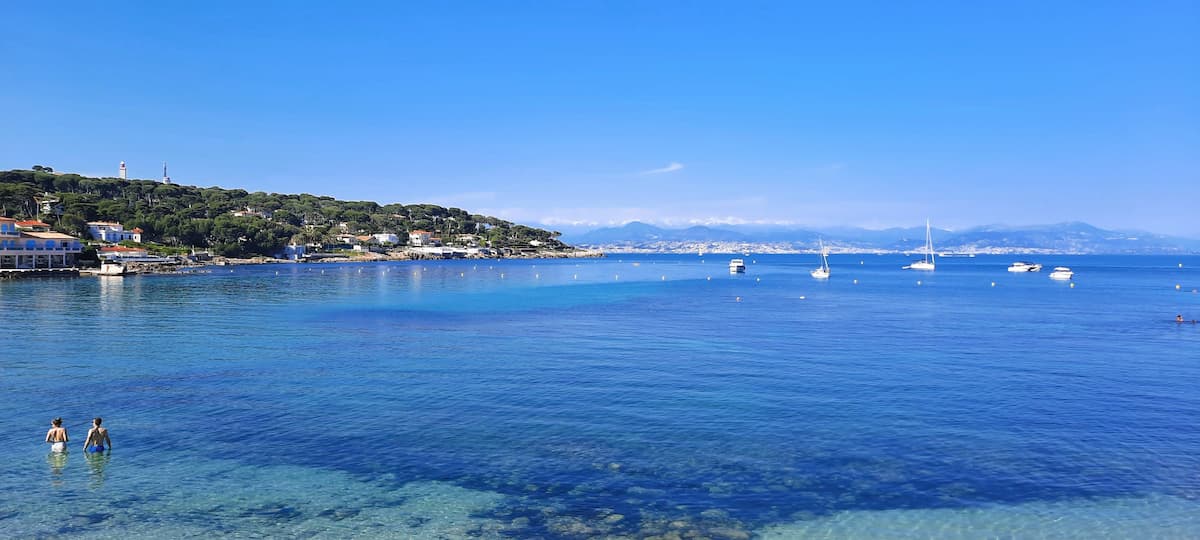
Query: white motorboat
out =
(1022, 266)
(823, 271)
(1062, 272)
(107, 269)
(928, 262)
(737, 266)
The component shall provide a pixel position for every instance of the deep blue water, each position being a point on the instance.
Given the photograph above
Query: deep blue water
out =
(633, 395)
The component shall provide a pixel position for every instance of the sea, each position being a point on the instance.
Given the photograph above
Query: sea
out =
(632, 396)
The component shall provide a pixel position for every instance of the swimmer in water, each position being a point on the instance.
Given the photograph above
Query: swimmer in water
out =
(97, 438)
(57, 436)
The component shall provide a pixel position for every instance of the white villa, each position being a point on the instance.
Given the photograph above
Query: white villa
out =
(106, 231)
(386, 238)
(421, 239)
(27, 250)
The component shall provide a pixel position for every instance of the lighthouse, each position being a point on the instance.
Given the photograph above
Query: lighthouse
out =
(166, 179)
(122, 173)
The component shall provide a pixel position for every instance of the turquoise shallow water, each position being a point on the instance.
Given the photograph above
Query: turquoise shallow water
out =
(634, 395)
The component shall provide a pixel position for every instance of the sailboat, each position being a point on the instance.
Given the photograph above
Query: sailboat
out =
(926, 263)
(823, 271)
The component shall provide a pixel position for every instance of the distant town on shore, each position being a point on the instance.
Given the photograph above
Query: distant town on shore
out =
(1062, 238)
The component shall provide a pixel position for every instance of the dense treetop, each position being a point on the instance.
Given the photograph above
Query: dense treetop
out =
(179, 215)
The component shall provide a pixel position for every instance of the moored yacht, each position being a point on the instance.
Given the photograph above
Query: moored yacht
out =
(1061, 272)
(1022, 266)
(823, 271)
(926, 263)
(737, 266)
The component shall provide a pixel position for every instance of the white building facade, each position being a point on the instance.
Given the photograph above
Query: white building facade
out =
(386, 238)
(28, 250)
(107, 231)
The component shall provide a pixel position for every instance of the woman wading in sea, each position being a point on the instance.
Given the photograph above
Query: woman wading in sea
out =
(57, 436)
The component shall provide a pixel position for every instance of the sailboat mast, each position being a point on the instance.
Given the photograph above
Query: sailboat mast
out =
(928, 240)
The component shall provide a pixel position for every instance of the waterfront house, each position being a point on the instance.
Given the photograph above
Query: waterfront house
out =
(107, 231)
(347, 239)
(386, 238)
(420, 238)
(33, 249)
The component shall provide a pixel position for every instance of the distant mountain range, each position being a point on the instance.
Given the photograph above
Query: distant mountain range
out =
(1072, 237)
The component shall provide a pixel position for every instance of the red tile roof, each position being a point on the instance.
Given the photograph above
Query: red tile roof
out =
(32, 224)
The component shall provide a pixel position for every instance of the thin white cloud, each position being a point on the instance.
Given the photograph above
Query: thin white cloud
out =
(670, 168)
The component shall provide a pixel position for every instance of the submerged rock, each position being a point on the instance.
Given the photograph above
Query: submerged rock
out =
(729, 533)
(613, 518)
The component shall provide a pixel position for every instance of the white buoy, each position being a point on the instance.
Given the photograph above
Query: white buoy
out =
(709, 278)
(1072, 285)
(575, 276)
(802, 298)
(856, 282)
(757, 279)
(918, 282)
(277, 273)
(322, 271)
(501, 275)
(1181, 265)
(664, 278)
(537, 276)
(1176, 286)
(737, 299)
(860, 262)
(462, 274)
(993, 283)
(616, 276)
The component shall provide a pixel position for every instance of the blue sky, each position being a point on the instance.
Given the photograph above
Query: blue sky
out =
(832, 113)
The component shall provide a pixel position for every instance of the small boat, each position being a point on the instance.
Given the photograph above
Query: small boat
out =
(1022, 266)
(928, 262)
(1061, 272)
(823, 271)
(737, 266)
(108, 269)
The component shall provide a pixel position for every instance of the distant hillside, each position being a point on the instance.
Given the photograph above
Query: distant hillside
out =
(642, 232)
(179, 215)
(1071, 237)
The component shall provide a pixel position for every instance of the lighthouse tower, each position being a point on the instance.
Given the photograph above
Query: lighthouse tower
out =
(122, 170)
(166, 179)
